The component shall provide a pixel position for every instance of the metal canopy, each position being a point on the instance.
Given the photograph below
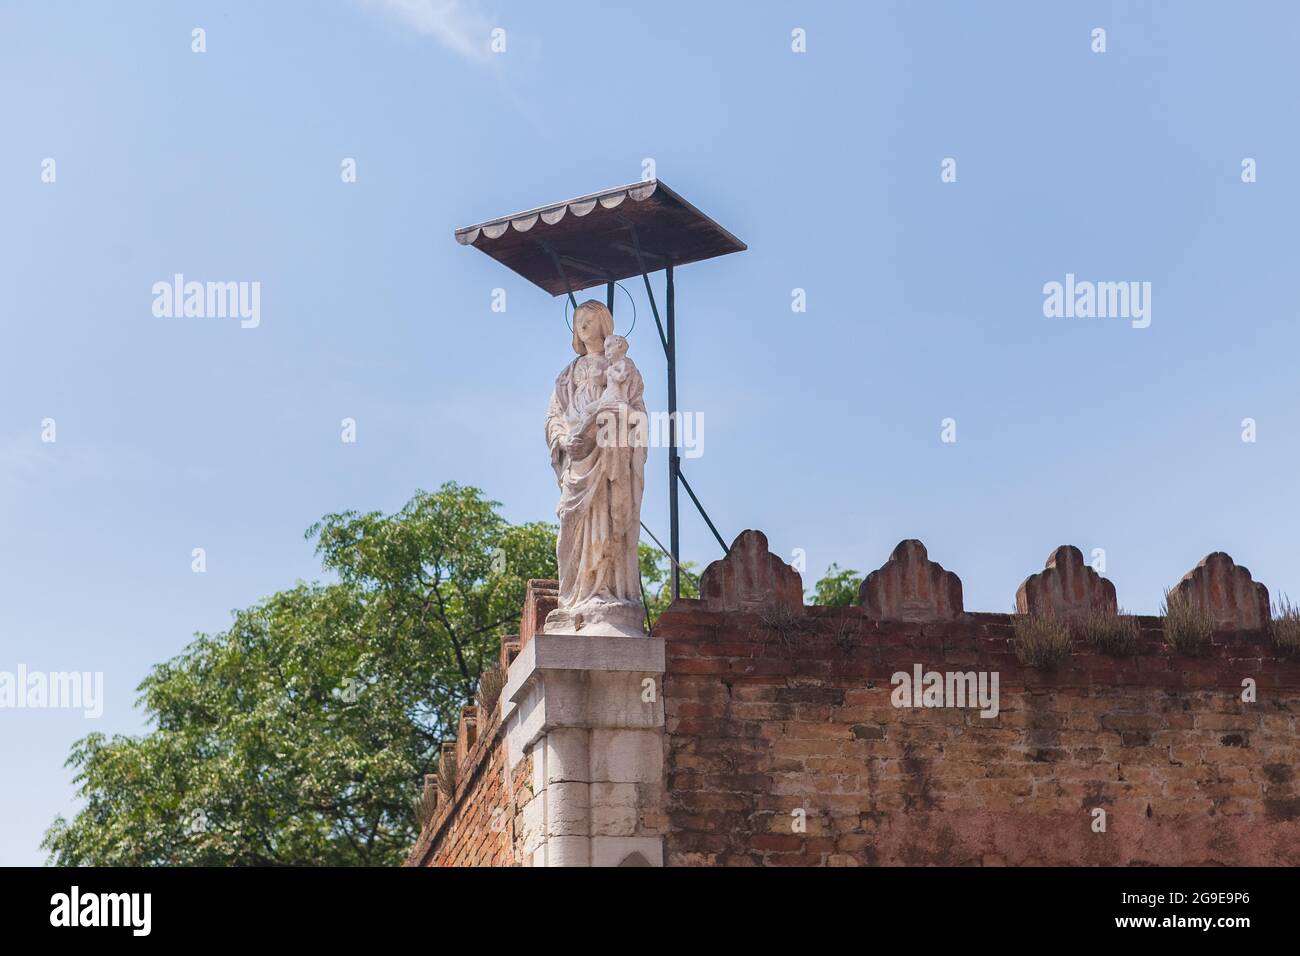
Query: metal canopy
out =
(599, 239)
(595, 238)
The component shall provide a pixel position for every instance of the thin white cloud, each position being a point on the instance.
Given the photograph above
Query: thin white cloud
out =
(453, 23)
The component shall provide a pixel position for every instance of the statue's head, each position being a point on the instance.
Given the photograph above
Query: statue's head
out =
(615, 347)
(592, 324)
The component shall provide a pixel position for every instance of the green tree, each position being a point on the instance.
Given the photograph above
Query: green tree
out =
(838, 587)
(657, 582)
(297, 736)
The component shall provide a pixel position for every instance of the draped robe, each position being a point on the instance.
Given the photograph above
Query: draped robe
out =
(600, 494)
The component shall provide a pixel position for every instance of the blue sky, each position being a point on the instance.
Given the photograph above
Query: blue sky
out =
(924, 299)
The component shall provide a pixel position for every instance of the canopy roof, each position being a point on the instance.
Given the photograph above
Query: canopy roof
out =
(592, 236)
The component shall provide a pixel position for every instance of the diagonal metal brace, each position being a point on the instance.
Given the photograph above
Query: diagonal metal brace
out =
(640, 261)
(668, 554)
(703, 514)
(559, 267)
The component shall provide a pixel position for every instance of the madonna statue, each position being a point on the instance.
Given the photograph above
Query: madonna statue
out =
(596, 431)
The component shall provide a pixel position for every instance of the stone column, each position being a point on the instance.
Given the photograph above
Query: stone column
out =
(589, 710)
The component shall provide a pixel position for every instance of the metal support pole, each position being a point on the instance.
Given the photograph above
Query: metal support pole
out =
(609, 297)
(674, 540)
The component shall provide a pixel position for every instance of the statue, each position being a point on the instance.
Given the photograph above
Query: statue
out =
(596, 432)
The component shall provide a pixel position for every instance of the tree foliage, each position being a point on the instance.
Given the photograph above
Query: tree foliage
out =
(657, 582)
(838, 587)
(298, 735)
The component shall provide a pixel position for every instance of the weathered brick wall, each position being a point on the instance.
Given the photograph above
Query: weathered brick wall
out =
(770, 713)
(784, 745)
(477, 826)
(480, 823)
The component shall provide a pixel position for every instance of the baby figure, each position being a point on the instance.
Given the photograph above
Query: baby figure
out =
(616, 419)
(618, 369)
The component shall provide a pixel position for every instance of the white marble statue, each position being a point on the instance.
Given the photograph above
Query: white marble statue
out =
(595, 429)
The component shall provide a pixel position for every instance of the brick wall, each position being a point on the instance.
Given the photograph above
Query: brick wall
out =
(477, 826)
(769, 714)
(784, 742)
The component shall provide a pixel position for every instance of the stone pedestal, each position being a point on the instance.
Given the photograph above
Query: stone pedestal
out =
(601, 618)
(589, 711)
